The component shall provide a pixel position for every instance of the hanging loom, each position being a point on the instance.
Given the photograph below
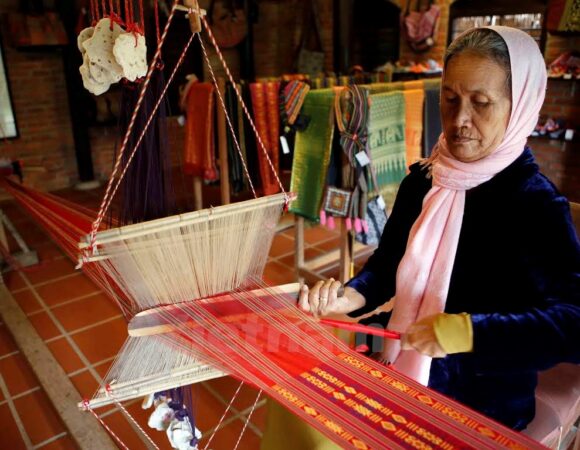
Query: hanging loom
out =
(173, 260)
(191, 287)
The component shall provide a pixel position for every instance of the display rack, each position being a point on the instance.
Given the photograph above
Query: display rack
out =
(526, 15)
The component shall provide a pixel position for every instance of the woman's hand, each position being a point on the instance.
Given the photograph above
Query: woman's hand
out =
(440, 335)
(322, 299)
(421, 337)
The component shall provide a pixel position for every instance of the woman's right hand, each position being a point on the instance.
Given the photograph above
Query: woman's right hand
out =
(322, 299)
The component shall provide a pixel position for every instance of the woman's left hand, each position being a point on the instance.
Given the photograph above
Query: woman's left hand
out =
(440, 335)
(421, 337)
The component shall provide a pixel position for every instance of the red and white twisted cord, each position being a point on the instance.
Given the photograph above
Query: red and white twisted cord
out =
(241, 100)
(111, 432)
(109, 392)
(248, 420)
(217, 427)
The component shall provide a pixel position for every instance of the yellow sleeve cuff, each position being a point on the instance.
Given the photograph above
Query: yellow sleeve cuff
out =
(454, 332)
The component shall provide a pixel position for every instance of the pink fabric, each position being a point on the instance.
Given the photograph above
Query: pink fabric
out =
(557, 403)
(425, 270)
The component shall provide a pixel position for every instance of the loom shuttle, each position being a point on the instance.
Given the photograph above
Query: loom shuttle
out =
(360, 328)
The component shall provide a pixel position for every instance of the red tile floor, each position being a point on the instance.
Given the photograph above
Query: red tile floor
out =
(84, 330)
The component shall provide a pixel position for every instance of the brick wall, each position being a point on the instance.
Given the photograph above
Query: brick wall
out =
(104, 140)
(39, 94)
(278, 31)
(560, 160)
(556, 45)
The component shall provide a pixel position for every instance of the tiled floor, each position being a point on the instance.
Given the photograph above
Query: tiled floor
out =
(84, 331)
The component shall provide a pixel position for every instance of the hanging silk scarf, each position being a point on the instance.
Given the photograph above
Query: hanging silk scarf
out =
(312, 154)
(563, 16)
(413, 123)
(265, 105)
(411, 85)
(234, 162)
(199, 158)
(379, 88)
(387, 142)
(431, 116)
(352, 108)
(292, 96)
(247, 137)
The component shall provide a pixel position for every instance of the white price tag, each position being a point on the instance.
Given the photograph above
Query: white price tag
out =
(285, 147)
(362, 158)
(381, 202)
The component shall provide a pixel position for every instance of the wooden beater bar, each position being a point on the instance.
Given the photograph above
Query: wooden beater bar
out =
(180, 220)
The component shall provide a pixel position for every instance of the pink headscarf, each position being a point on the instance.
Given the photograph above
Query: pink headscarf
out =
(425, 270)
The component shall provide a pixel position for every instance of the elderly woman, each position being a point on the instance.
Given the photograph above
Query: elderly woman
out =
(479, 252)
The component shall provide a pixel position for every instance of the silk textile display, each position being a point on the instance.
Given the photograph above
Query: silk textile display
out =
(387, 141)
(414, 99)
(199, 157)
(267, 118)
(312, 154)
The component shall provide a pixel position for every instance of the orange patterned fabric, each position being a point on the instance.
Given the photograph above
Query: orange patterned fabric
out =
(414, 123)
(199, 152)
(265, 104)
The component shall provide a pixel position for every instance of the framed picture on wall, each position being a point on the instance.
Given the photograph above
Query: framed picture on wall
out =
(8, 127)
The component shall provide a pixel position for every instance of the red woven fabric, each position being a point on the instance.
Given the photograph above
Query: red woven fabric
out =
(199, 157)
(265, 104)
(266, 341)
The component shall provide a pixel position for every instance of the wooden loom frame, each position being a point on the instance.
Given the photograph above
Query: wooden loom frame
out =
(186, 375)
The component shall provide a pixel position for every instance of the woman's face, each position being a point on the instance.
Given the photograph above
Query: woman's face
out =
(475, 106)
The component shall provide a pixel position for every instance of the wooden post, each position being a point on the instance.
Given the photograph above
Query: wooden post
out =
(346, 253)
(222, 146)
(299, 246)
(197, 193)
(3, 239)
(194, 20)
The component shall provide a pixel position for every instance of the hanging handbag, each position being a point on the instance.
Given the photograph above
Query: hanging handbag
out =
(376, 220)
(310, 53)
(420, 26)
(35, 27)
(228, 22)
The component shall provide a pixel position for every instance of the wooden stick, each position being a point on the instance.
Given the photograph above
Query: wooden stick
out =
(141, 325)
(197, 193)
(191, 7)
(154, 383)
(359, 328)
(299, 245)
(167, 223)
(346, 255)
